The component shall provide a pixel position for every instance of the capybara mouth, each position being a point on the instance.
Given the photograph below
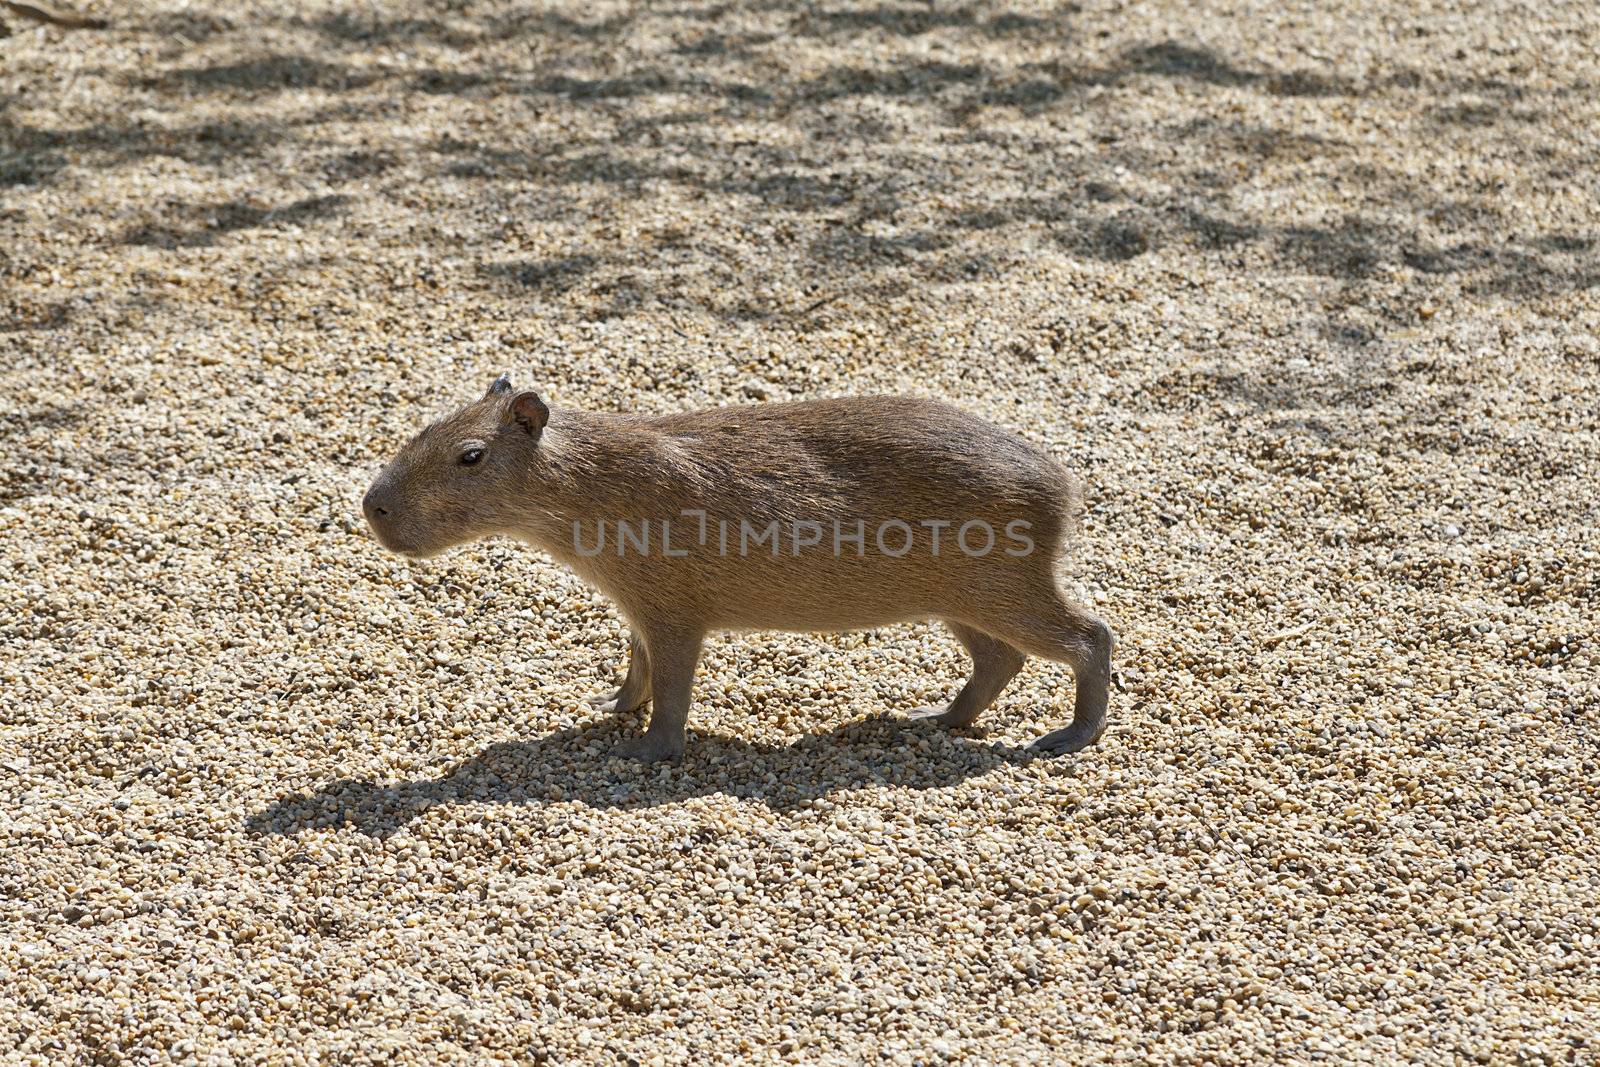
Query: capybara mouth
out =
(410, 551)
(396, 545)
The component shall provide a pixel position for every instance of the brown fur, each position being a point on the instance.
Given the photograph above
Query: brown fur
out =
(872, 459)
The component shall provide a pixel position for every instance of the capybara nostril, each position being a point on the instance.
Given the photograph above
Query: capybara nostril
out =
(373, 510)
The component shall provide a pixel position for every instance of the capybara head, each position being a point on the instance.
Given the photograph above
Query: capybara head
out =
(460, 478)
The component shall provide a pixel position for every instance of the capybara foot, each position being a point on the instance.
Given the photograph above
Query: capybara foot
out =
(1074, 738)
(648, 749)
(945, 715)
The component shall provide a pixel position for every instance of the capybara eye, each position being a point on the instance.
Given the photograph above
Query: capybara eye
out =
(471, 456)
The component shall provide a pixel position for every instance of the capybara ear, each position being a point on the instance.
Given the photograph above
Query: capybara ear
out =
(499, 387)
(530, 412)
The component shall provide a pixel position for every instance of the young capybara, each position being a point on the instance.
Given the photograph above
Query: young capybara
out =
(820, 515)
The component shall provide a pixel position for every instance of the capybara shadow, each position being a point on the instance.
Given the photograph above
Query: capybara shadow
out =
(577, 764)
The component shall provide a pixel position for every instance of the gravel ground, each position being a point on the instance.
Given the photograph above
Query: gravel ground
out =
(1308, 292)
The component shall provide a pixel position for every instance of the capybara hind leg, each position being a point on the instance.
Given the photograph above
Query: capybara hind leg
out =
(635, 691)
(673, 654)
(994, 663)
(1051, 626)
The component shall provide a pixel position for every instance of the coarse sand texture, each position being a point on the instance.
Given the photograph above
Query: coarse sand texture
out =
(1308, 294)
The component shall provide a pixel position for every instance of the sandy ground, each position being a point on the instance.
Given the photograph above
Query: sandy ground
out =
(1307, 292)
